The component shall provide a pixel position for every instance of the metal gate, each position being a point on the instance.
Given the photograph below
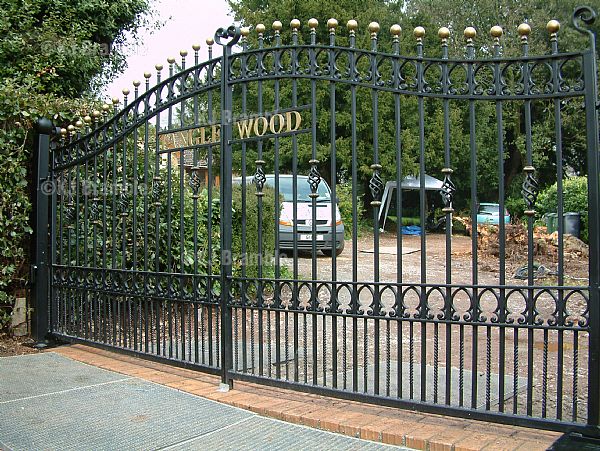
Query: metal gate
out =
(187, 223)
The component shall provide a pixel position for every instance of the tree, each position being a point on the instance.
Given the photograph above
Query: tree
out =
(53, 55)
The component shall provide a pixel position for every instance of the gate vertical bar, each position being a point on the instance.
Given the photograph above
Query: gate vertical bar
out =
(40, 292)
(233, 34)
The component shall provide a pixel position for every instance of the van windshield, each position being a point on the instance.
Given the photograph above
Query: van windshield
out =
(286, 189)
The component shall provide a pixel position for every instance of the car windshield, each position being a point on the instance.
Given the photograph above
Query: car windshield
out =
(493, 209)
(286, 189)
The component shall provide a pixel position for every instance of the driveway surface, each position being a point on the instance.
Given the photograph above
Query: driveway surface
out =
(49, 402)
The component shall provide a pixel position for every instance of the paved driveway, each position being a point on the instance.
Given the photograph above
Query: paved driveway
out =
(49, 402)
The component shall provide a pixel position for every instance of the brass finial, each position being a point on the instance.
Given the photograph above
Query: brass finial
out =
(195, 47)
(374, 29)
(159, 67)
(105, 107)
(210, 41)
(444, 34)
(277, 26)
(470, 33)
(524, 30)
(553, 26)
(96, 114)
(78, 124)
(136, 83)
(260, 28)
(295, 24)
(125, 91)
(63, 132)
(183, 53)
(419, 32)
(332, 24)
(313, 23)
(87, 119)
(395, 30)
(496, 31)
(115, 100)
(352, 25)
(71, 128)
(171, 60)
(147, 75)
(244, 31)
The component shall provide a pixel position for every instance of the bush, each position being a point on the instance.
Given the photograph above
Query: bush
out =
(575, 198)
(515, 207)
(345, 204)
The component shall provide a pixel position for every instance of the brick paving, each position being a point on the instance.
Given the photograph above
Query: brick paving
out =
(380, 424)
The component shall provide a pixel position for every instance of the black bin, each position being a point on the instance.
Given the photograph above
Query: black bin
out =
(572, 223)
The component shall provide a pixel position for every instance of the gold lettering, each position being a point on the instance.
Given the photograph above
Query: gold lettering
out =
(264, 128)
(281, 123)
(202, 137)
(288, 119)
(245, 127)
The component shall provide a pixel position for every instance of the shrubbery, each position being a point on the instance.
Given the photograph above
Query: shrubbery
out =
(575, 199)
(345, 202)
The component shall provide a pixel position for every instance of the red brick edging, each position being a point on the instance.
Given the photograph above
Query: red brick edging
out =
(381, 424)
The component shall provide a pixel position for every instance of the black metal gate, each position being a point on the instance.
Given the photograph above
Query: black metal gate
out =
(186, 223)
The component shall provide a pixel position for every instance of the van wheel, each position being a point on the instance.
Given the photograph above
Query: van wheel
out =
(338, 251)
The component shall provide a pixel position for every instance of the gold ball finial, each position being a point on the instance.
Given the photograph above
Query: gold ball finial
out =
(352, 25)
(524, 30)
(136, 83)
(313, 23)
(115, 100)
(96, 113)
(496, 31)
(147, 75)
(277, 25)
(78, 124)
(374, 27)
(87, 119)
(195, 47)
(553, 26)
(105, 107)
(183, 53)
(171, 60)
(63, 132)
(419, 32)
(332, 24)
(159, 67)
(444, 33)
(470, 33)
(125, 91)
(71, 128)
(295, 24)
(395, 30)
(245, 32)
(210, 41)
(260, 28)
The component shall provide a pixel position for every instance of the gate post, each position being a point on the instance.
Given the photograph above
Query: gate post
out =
(232, 35)
(588, 16)
(39, 250)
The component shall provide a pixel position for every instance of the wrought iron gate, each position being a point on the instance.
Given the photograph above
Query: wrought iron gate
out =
(170, 216)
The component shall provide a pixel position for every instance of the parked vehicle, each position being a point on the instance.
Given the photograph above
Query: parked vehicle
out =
(489, 213)
(328, 238)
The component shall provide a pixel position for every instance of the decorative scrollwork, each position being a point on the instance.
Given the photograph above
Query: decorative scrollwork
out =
(586, 15)
(447, 190)
(195, 181)
(530, 190)
(376, 185)
(259, 177)
(314, 178)
(231, 33)
(95, 210)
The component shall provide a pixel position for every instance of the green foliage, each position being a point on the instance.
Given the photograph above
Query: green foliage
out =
(52, 53)
(345, 203)
(575, 199)
(515, 207)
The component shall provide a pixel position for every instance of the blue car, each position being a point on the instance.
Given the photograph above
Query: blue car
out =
(488, 213)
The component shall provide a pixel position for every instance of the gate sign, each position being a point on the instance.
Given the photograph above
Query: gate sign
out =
(250, 127)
